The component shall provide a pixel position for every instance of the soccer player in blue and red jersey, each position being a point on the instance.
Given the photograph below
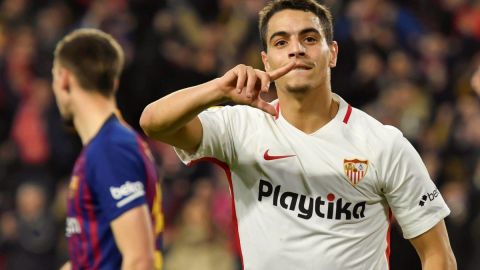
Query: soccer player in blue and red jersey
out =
(114, 216)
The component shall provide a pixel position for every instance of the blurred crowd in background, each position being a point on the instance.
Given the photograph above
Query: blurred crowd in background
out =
(407, 63)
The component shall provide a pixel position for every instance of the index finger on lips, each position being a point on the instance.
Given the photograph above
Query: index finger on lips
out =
(279, 72)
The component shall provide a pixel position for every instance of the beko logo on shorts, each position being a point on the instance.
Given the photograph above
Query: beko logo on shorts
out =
(128, 191)
(428, 197)
(307, 206)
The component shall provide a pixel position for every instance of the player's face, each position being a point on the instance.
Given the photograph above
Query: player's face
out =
(61, 93)
(295, 35)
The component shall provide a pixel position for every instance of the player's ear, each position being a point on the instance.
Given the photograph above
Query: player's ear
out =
(266, 65)
(333, 54)
(65, 78)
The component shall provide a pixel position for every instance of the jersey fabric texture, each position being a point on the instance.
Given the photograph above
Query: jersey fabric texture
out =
(322, 200)
(114, 173)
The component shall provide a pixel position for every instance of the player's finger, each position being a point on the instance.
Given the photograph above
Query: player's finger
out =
(251, 81)
(265, 80)
(279, 72)
(264, 106)
(241, 77)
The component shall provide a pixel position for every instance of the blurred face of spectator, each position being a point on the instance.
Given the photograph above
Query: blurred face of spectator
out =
(400, 65)
(475, 81)
(61, 91)
(14, 8)
(370, 65)
(433, 46)
(295, 35)
(41, 93)
(30, 201)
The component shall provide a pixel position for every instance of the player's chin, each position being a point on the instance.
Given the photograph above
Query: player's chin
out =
(298, 87)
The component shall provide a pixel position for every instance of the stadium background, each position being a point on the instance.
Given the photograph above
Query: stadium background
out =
(407, 63)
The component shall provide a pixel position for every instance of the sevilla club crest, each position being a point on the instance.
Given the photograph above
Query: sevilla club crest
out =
(355, 170)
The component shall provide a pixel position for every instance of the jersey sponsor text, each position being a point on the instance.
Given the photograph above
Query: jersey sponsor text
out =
(429, 197)
(329, 208)
(72, 227)
(128, 191)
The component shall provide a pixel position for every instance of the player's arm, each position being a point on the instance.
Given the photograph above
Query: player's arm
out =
(134, 237)
(433, 248)
(173, 118)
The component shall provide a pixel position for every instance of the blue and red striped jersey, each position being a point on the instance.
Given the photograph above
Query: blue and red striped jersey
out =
(114, 173)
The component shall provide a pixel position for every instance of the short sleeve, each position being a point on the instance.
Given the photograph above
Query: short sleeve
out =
(413, 197)
(117, 177)
(217, 139)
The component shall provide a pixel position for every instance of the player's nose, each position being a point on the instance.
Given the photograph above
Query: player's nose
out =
(296, 49)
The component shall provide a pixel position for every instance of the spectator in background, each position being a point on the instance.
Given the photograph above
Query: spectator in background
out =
(197, 237)
(30, 126)
(475, 203)
(30, 232)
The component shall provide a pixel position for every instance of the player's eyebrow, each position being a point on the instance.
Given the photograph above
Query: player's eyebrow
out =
(302, 32)
(310, 30)
(279, 33)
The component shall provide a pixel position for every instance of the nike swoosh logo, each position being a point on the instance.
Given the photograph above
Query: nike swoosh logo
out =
(266, 156)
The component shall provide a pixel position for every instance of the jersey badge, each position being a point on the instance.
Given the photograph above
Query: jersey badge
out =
(355, 170)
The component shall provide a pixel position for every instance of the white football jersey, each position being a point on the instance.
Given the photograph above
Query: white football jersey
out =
(322, 200)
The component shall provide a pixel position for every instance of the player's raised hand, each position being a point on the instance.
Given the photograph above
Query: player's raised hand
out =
(243, 84)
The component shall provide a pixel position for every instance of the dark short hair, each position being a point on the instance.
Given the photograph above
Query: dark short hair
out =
(275, 6)
(94, 57)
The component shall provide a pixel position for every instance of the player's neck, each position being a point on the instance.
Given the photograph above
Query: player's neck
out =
(91, 112)
(308, 112)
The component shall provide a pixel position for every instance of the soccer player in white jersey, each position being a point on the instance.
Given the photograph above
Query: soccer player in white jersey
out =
(314, 181)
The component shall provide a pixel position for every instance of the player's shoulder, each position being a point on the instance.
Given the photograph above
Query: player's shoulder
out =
(113, 139)
(370, 125)
(375, 134)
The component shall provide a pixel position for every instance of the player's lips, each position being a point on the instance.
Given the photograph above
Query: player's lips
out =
(302, 66)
